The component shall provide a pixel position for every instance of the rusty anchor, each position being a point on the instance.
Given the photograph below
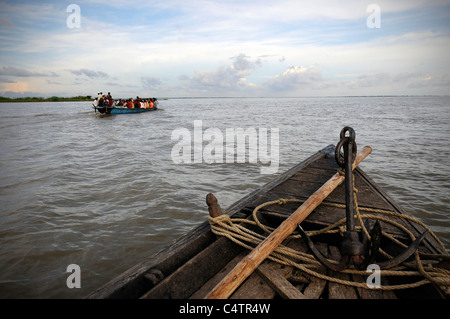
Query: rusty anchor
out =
(353, 250)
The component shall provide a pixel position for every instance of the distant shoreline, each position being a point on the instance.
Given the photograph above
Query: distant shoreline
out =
(89, 98)
(49, 99)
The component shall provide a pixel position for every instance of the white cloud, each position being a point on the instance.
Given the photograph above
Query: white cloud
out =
(410, 80)
(231, 77)
(19, 72)
(297, 77)
(151, 82)
(188, 47)
(89, 73)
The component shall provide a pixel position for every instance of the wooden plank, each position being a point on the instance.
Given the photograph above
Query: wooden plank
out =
(327, 162)
(372, 293)
(253, 197)
(312, 287)
(193, 274)
(244, 268)
(254, 287)
(367, 197)
(325, 215)
(132, 282)
(292, 188)
(210, 284)
(315, 288)
(313, 175)
(278, 282)
(336, 290)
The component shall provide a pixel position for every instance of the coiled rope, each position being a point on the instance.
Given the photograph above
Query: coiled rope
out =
(234, 229)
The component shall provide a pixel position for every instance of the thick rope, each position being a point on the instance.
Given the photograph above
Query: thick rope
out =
(234, 230)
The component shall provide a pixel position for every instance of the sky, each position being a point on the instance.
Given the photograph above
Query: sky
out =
(218, 48)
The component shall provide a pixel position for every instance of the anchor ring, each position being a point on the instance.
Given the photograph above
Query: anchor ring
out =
(344, 140)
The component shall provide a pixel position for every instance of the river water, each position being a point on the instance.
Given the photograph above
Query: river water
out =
(104, 192)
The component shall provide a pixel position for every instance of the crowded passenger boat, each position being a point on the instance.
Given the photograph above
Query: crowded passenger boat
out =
(104, 103)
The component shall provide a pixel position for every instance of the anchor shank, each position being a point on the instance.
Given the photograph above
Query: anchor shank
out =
(351, 245)
(349, 209)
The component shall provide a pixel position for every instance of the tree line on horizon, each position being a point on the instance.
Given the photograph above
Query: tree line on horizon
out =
(46, 99)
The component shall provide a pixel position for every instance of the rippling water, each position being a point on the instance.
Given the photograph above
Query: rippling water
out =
(103, 192)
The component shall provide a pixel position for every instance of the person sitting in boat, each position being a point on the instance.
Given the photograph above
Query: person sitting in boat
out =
(137, 102)
(95, 102)
(130, 104)
(102, 101)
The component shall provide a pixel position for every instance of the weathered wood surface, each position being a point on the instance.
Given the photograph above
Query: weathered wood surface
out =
(248, 264)
(194, 264)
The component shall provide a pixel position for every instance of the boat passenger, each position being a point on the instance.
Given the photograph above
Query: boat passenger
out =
(137, 102)
(96, 102)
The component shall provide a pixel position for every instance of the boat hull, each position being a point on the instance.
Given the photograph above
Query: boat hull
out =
(197, 262)
(122, 110)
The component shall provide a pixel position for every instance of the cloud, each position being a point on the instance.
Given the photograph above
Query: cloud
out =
(430, 80)
(295, 77)
(90, 73)
(151, 82)
(200, 40)
(15, 87)
(371, 80)
(242, 63)
(13, 71)
(226, 77)
(412, 80)
(309, 80)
